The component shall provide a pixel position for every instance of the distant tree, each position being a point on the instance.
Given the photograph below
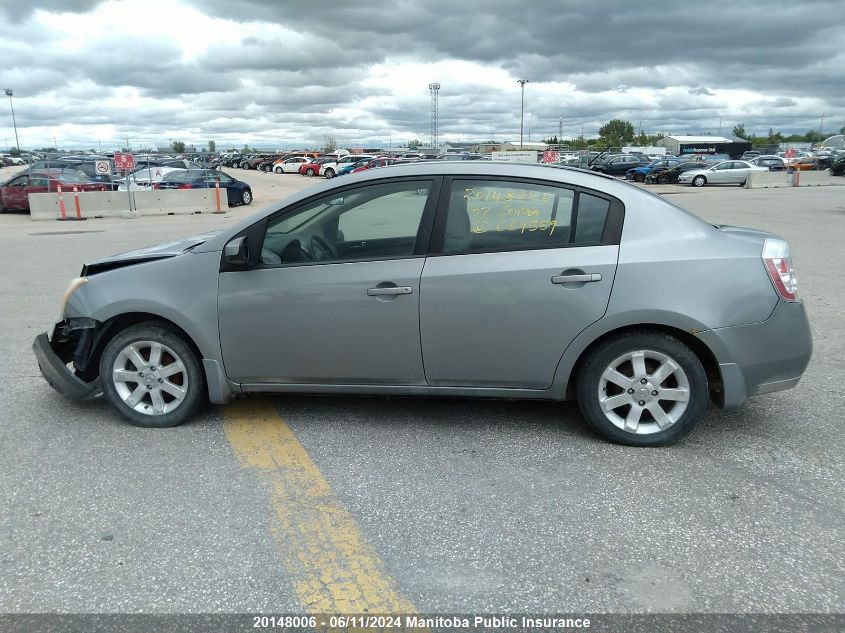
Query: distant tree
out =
(617, 132)
(178, 146)
(579, 143)
(842, 130)
(739, 130)
(415, 143)
(642, 139)
(247, 149)
(812, 136)
(329, 144)
(212, 147)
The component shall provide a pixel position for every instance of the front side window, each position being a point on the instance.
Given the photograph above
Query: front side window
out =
(378, 221)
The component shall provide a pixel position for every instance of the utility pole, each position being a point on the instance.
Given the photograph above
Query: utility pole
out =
(434, 89)
(522, 83)
(560, 129)
(10, 93)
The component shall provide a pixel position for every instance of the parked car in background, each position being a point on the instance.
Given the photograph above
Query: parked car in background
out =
(837, 167)
(807, 163)
(11, 160)
(667, 175)
(262, 306)
(144, 178)
(237, 191)
(290, 165)
(619, 164)
(748, 155)
(729, 172)
(638, 174)
(772, 163)
(266, 165)
(14, 194)
(374, 163)
(346, 169)
(313, 168)
(329, 170)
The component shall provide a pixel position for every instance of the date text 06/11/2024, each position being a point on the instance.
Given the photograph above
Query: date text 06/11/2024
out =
(420, 622)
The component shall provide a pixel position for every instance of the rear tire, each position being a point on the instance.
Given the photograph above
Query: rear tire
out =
(137, 388)
(657, 384)
(278, 170)
(329, 173)
(662, 180)
(309, 172)
(246, 197)
(699, 181)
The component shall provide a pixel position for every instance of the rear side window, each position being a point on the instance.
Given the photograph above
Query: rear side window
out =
(492, 215)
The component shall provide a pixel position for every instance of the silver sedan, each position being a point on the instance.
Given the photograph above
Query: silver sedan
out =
(729, 172)
(460, 279)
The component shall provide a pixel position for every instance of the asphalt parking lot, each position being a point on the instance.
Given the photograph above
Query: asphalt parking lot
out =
(433, 505)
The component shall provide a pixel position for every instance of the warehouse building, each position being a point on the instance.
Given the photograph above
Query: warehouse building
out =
(734, 147)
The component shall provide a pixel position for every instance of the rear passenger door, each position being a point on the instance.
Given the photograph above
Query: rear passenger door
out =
(518, 268)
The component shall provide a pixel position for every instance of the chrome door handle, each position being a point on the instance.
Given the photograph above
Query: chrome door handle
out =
(576, 279)
(390, 290)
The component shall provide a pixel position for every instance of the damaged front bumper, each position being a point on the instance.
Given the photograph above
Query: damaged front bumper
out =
(72, 341)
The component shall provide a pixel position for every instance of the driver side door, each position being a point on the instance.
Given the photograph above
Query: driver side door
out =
(334, 296)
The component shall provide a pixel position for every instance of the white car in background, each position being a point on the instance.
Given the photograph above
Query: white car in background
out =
(329, 170)
(12, 160)
(143, 179)
(290, 165)
(728, 172)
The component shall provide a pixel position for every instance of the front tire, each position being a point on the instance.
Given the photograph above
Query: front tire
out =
(642, 388)
(278, 170)
(246, 197)
(152, 376)
(699, 181)
(329, 173)
(309, 172)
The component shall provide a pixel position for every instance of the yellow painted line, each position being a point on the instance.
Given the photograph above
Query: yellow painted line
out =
(332, 566)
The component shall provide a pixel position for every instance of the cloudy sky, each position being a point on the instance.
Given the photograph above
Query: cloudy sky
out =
(287, 73)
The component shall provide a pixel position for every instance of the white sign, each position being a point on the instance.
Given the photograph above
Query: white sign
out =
(102, 167)
(515, 157)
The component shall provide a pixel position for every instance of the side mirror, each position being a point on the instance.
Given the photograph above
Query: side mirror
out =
(236, 252)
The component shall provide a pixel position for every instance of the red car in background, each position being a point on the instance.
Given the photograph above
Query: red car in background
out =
(381, 161)
(313, 168)
(14, 194)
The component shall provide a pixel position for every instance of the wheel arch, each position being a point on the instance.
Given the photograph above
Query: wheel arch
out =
(115, 325)
(704, 354)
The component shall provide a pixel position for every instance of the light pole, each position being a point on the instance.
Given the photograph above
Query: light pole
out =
(10, 93)
(522, 83)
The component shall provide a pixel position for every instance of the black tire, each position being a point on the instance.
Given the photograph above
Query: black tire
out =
(159, 332)
(309, 172)
(329, 173)
(662, 180)
(604, 355)
(279, 170)
(246, 197)
(698, 181)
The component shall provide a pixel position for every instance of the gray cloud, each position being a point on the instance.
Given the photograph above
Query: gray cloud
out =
(664, 69)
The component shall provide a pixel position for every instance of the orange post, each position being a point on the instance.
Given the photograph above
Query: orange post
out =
(217, 195)
(62, 209)
(76, 202)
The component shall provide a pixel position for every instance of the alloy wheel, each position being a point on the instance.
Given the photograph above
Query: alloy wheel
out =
(150, 378)
(643, 392)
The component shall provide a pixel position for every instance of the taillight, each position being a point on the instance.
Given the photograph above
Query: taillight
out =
(184, 186)
(779, 266)
(156, 185)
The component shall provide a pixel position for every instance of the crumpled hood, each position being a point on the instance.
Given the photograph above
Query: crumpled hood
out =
(151, 253)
